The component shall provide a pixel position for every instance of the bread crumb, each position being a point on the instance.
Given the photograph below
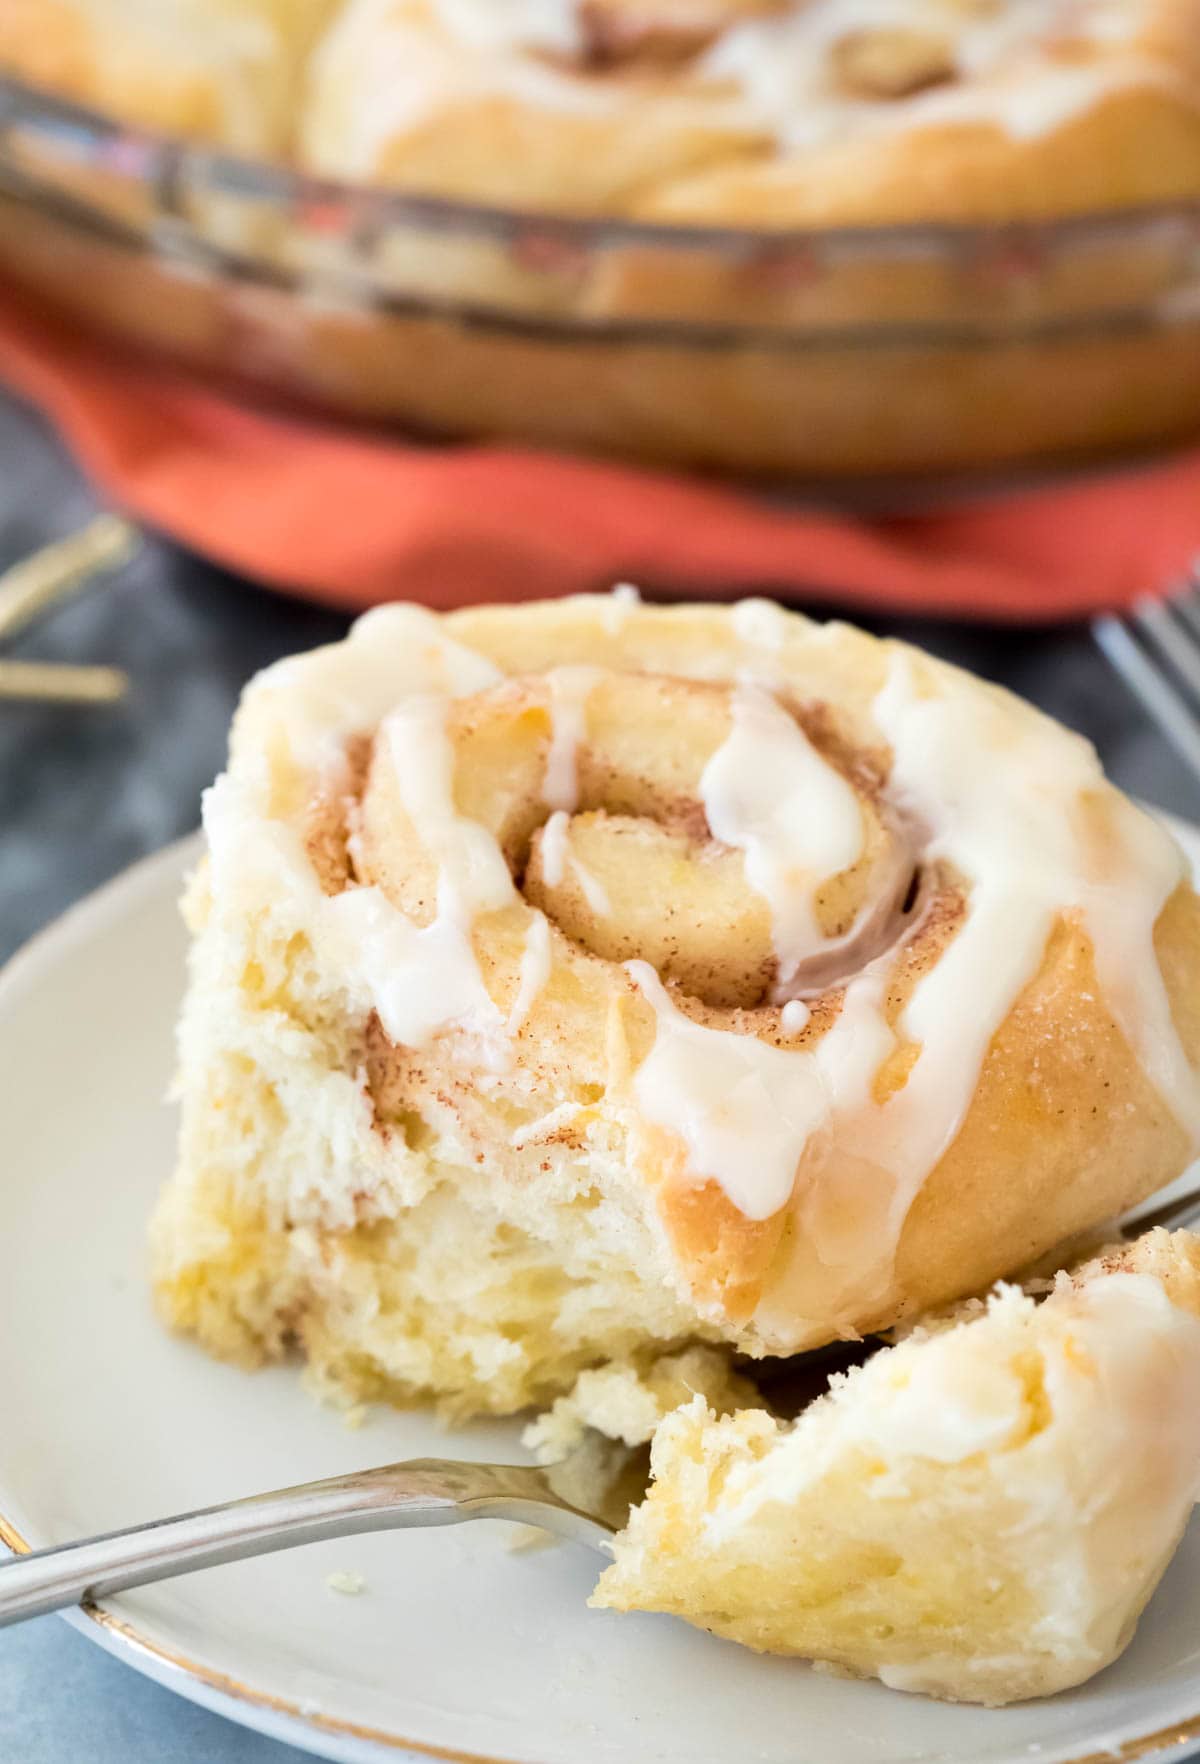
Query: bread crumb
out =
(529, 1537)
(342, 1582)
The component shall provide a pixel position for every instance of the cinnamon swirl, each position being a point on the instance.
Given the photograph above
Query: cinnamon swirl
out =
(587, 979)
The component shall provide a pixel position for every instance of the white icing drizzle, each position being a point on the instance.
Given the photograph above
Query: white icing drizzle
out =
(534, 972)
(492, 26)
(768, 792)
(617, 606)
(420, 980)
(381, 72)
(556, 836)
(570, 689)
(762, 624)
(473, 877)
(594, 891)
(747, 1110)
(1006, 73)
(557, 854)
(392, 653)
(424, 978)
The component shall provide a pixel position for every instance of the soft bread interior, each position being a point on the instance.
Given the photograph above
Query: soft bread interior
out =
(980, 1512)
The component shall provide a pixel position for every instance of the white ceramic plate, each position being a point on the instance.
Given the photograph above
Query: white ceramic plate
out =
(458, 1647)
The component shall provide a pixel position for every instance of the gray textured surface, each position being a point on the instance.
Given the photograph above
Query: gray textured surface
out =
(84, 793)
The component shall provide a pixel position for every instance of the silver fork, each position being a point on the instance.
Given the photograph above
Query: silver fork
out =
(1156, 651)
(426, 1491)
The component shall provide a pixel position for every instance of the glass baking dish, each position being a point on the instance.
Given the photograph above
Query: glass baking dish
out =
(830, 354)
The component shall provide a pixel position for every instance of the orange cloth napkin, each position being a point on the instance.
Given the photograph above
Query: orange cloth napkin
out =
(350, 519)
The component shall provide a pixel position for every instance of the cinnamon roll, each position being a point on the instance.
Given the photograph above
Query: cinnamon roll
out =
(765, 113)
(587, 980)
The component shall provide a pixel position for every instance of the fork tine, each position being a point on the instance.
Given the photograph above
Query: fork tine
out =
(1146, 680)
(1172, 1215)
(1187, 601)
(1164, 623)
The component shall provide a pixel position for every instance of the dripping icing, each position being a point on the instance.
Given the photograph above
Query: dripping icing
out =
(555, 837)
(534, 971)
(762, 624)
(746, 1110)
(621, 601)
(557, 855)
(570, 689)
(424, 978)
(769, 793)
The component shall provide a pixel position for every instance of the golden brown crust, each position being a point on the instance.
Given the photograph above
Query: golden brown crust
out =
(1128, 148)
(1074, 1112)
(210, 70)
(1060, 1101)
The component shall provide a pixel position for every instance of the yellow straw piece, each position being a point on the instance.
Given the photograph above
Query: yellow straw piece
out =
(58, 570)
(61, 683)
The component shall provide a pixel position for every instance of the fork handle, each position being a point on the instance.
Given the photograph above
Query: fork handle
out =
(427, 1491)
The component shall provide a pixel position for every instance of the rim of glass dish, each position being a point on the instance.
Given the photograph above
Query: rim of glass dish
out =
(183, 163)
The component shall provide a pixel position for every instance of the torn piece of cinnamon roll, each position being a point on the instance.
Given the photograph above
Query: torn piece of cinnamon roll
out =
(980, 1513)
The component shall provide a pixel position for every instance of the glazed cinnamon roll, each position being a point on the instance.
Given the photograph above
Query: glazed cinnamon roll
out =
(764, 113)
(585, 980)
(749, 113)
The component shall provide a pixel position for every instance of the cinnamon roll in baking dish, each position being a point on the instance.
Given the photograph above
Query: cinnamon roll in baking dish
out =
(771, 302)
(765, 113)
(736, 112)
(581, 981)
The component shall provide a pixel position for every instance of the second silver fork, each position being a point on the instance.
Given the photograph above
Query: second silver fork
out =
(1155, 648)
